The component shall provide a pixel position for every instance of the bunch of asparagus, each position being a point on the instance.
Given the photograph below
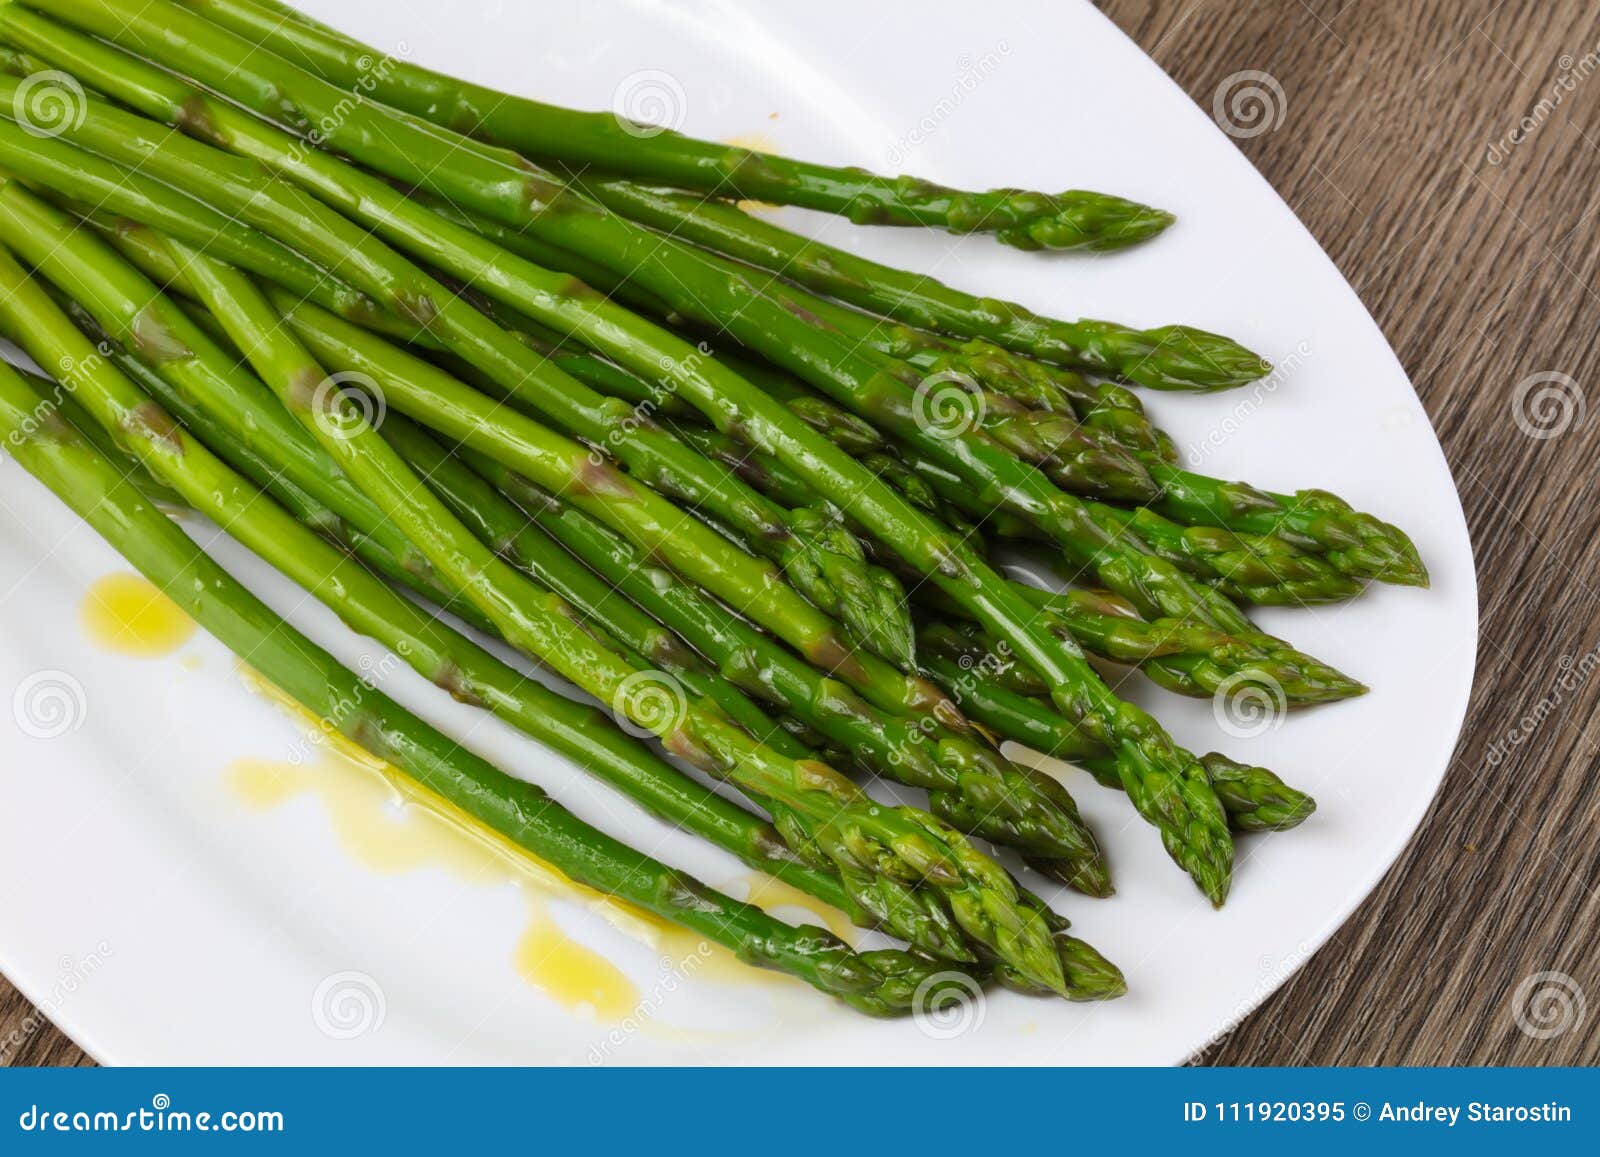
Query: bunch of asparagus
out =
(414, 341)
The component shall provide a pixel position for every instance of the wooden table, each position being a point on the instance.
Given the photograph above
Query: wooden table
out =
(1483, 269)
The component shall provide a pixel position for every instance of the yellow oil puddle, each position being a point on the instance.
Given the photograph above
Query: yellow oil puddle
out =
(129, 614)
(389, 823)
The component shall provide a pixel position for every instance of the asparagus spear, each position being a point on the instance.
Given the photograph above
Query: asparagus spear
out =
(856, 833)
(1255, 798)
(1166, 785)
(1351, 541)
(874, 982)
(1025, 219)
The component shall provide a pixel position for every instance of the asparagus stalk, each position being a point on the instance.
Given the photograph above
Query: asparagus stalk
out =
(1352, 542)
(1025, 219)
(1166, 785)
(854, 832)
(874, 982)
(1255, 799)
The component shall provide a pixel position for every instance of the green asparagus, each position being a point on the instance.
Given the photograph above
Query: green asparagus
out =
(880, 983)
(856, 834)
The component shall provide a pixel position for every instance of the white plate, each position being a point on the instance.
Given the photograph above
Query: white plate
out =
(160, 919)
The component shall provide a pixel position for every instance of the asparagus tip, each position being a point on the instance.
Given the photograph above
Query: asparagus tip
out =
(1090, 976)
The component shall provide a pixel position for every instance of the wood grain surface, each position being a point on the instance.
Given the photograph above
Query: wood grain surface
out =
(1446, 153)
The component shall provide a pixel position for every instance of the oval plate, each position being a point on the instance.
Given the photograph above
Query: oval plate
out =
(160, 916)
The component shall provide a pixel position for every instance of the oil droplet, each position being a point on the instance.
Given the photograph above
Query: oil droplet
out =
(129, 614)
(571, 974)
